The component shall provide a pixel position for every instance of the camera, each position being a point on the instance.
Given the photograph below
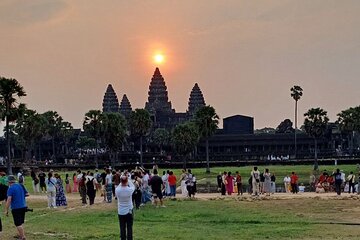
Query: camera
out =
(29, 210)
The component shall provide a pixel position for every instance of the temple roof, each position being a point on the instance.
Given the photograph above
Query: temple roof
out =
(196, 99)
(110, 101)
(125, 106)
(158, 96)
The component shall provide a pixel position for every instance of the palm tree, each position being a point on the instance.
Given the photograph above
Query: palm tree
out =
(114, 125)
(53, 126)
(184, 138)
(66, 133)
(207, 122)
(315, 125)
(92, 126)
(140, 124)
(10, 91)
(161, 137)
(296, 94)
(349, 121)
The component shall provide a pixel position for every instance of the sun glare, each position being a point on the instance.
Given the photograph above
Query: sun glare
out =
(159, 58)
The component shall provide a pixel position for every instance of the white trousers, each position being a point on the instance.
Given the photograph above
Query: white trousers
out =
(51, 198)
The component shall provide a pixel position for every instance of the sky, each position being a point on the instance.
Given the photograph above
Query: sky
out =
(245, 55)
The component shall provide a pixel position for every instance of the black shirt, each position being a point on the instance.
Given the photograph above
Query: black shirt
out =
(103, 177)
(156, 182)
(42, 177)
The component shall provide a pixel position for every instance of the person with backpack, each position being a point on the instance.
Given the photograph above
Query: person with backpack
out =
(338, 181)
(91, 187)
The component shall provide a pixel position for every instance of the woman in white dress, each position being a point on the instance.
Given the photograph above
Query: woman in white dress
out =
(183, 178)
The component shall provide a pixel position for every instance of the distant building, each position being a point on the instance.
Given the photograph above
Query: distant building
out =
(238, 124)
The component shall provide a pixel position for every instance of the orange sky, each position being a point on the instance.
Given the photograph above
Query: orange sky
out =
(245, 55)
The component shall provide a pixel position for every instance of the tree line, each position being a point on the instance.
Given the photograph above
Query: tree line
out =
(26, 128)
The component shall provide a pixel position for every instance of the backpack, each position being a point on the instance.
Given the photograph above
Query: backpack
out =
(21, 179)
(90, 184)
(338, 177)
(98, 178)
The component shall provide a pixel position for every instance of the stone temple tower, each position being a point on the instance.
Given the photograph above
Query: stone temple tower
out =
(158, 96)
(125, 106)
(196, 100)
(110, 101)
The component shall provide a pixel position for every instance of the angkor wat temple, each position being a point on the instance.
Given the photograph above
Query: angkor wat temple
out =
(158, 104)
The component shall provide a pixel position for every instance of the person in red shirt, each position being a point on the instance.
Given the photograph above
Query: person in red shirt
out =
(294, 182)
(172, 184)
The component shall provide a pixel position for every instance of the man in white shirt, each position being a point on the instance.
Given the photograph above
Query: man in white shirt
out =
(124, 194)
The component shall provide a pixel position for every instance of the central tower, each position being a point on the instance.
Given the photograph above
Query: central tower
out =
(158, 101)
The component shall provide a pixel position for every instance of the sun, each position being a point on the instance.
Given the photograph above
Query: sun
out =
(159, 58)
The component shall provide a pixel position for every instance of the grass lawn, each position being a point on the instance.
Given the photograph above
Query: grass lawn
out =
(197, 219)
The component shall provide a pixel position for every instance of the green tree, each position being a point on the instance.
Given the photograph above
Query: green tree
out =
(86, 143)
(10, 91)
(161, 138)
(349, 121)
(53, 126)
(66, 133)
(93, 127)
(140, 124)
(114, 133)
(184, 138)
(207, 122)
(30, 129)
(315, 125)
(296, 94)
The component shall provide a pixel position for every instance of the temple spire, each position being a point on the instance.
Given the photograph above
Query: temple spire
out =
(125, 106)
(110, 101)
(196, 100)
(158, 96)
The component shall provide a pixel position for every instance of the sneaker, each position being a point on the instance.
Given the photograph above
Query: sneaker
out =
(163, 206)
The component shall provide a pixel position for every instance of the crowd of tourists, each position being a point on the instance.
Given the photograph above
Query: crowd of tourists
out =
(134, 188)
(264, 183)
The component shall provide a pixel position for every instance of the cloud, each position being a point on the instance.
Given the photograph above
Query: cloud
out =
(24, 12)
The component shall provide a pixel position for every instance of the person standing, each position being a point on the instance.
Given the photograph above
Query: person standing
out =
(255, 174)
(183, 178)
(60, 193)
(157, 185)
(82, 187)
(267, 182)
(124, 194)
(172, 183)
(67, 184)
(165, 178)
(51, 190)
(351, 180)
(190, 184)
(16, 195)
(287, 183)
(239, 183)
(294, 182)
(223, 183)
(75, 183)
(108, 186)
(42, 177)
(219, 181)
(35, 181)
(91, 187)
(229, 180)
(338, 181)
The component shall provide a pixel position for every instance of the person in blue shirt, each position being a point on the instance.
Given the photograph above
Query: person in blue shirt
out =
(16, 199)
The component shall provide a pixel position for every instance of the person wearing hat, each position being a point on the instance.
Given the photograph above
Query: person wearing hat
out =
(16, 199)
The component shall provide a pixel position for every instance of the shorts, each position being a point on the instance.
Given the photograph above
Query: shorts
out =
(158, 195)
(19, 216)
